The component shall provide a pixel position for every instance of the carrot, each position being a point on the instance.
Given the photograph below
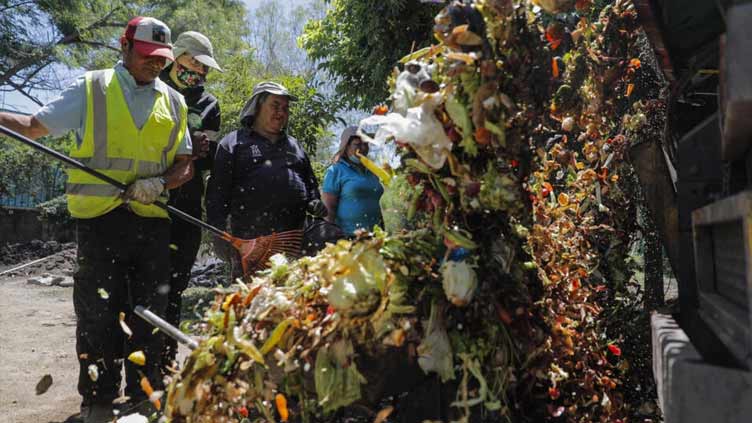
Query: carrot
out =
(630, 88)
(281, 403)
(555, 68)
(148, 390)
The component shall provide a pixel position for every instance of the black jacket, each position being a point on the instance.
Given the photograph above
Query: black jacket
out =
(203, 115)
(263, 186)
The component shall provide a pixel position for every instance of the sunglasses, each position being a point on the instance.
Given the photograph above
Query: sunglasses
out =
(195, 64)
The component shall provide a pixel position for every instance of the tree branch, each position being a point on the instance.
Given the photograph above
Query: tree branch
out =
(43, 52)
(75, 36)
(22, 64)
(35, 72)
(24, 93)
(13, 6)
(98, 44)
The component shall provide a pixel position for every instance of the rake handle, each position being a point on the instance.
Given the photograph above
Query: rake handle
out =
(165, 327)
(117, 184)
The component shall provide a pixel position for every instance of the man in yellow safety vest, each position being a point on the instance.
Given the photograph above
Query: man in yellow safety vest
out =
(131, 126)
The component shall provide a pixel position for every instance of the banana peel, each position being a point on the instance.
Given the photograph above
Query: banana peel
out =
(276, 335)
(384, 175)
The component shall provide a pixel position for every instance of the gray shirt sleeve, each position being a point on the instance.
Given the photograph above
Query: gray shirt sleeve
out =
(66, 112)
(185, 146)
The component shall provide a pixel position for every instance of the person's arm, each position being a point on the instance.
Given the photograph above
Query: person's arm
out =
(180, 172)
(309, 178)
(148, 190)
(57, 117)
(64, 113)
(331, 188)
(330, 201)
(210, 124)
(219, 188)
(28, 126)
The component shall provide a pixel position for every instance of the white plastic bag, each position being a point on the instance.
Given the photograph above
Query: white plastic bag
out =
(420, 129)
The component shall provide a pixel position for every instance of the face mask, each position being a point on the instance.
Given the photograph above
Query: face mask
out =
(188, 77)
(354, 159)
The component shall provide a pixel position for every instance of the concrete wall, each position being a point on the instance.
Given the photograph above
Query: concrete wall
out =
(23, 225)
(691, 390)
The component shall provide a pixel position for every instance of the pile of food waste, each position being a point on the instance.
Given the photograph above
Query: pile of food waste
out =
(493, 277)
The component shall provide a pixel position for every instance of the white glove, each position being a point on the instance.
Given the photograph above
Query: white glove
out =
(145, 191)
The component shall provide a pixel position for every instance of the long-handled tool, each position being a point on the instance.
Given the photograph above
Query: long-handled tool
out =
(165, 327)
(254, 253)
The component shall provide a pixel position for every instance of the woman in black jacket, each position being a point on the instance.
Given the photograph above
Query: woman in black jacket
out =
(262, 178)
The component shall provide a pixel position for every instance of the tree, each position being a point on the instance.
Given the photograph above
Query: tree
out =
(275, 27)
(360, 41)
(27, 177)
(37, 35)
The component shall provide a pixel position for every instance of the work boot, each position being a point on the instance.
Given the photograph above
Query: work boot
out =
(97, 413)
(75, 418)
(139, 406)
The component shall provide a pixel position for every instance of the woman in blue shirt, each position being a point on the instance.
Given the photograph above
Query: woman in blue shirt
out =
(350, 192)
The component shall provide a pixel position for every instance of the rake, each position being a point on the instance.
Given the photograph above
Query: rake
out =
(254, 253)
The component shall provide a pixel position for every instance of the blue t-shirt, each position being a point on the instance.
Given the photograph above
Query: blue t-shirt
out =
(358, 191)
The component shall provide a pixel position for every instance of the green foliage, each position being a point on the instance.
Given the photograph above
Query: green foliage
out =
(319, 169)
(55, 211)
(360, 42)
(312, 114)
(27, 174)
(309, 117)
(396, 202)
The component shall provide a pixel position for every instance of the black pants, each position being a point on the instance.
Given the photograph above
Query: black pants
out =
(123, 261)
(185, 240)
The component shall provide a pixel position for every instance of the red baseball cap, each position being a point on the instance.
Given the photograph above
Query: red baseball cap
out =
(151, 37)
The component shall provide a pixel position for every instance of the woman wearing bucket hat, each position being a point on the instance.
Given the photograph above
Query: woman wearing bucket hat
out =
(262, 178)
(194, 58)
(351, 192)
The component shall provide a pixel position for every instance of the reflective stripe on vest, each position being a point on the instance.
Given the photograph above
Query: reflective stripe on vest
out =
(109, 146)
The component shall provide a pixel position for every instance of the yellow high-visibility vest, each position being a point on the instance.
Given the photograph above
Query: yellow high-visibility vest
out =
(113, 145)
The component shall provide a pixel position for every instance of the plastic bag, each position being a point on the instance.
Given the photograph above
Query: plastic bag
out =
(420, 129)
(435, 351)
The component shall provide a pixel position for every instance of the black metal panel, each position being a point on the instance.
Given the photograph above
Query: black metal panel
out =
(700, 182)
(688, 25)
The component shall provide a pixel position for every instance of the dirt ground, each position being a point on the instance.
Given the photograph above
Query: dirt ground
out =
(37, 337)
